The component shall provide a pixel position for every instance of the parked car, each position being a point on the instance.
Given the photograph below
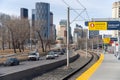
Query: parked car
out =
(50, 55)
(34, 55)
(11, 62)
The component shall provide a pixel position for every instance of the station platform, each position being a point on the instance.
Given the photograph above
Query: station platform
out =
(108, 70)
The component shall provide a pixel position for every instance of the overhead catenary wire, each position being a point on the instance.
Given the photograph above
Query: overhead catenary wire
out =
(84, 8)
(74, 11)
(80, 4)
(77, 17)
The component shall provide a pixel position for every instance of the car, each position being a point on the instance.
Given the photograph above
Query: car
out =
(61, 52)
(11, 62)
(56, 54)
(50, 55)
(34, 55)
(64, 50)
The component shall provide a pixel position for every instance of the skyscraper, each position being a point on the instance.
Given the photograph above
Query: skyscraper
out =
(43, 18)
(62, 31)
(116, 10)
(52, 28)
(51, 19)
(33, 17)
(24, 13)
(116, 14)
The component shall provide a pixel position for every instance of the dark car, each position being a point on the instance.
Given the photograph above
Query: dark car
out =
(11, 62)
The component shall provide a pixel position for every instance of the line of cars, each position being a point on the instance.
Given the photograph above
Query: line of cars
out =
(34, 55)
(55, 53)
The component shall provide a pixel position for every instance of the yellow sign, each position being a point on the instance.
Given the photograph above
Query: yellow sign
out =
(97, 25)
(106, 40)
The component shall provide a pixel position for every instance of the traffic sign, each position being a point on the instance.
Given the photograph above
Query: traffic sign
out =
(111, 25)
(97, 25)
(114, 39)
(106, 40)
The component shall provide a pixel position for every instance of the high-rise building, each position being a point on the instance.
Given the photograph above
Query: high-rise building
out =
(43, 18)
(52, 29)
(62, 31)
(116, 14)
(24, 13)
(51, 19)
(78, 32)
(33, 17)
(116, 10)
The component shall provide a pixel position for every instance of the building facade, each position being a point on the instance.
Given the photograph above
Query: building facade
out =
(116, 14)
(24, 13)
(52, 29)
(78, 34)
(33, 17)
(43, 18)
(62, 31)
(116, 10)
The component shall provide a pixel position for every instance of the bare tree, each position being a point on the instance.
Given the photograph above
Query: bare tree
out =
(3, 35)
(40, 28)
(19, 31)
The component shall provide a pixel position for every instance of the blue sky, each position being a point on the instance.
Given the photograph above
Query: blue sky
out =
(95, 8)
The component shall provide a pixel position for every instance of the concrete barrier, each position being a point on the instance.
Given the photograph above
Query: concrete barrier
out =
(33, 72)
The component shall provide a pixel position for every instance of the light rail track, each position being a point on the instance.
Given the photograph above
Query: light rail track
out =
(73, 75)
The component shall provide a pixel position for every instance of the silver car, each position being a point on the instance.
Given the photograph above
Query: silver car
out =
(50, 55)
(33, 56)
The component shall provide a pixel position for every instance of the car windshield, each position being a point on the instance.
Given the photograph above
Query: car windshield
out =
(32, 53)
(51, 53)
(11, 59)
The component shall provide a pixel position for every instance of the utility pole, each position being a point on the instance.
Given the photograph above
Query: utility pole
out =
(86, 43)
(68, 24)
(98, 45)
(92, 43)
(30, 36)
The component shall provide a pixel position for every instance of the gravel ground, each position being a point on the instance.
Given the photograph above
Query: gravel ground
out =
(84, 69)
(59, 73)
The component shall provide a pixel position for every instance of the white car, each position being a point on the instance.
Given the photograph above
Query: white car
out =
(56, 54)
(50, 55)
(33, 56)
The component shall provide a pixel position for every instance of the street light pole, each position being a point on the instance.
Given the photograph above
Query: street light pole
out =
(86, 43)
(30, 36)
(92, 43)
(68, 24)
(97, 44)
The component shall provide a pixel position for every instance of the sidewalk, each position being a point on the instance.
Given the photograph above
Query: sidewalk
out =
(108, 70)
